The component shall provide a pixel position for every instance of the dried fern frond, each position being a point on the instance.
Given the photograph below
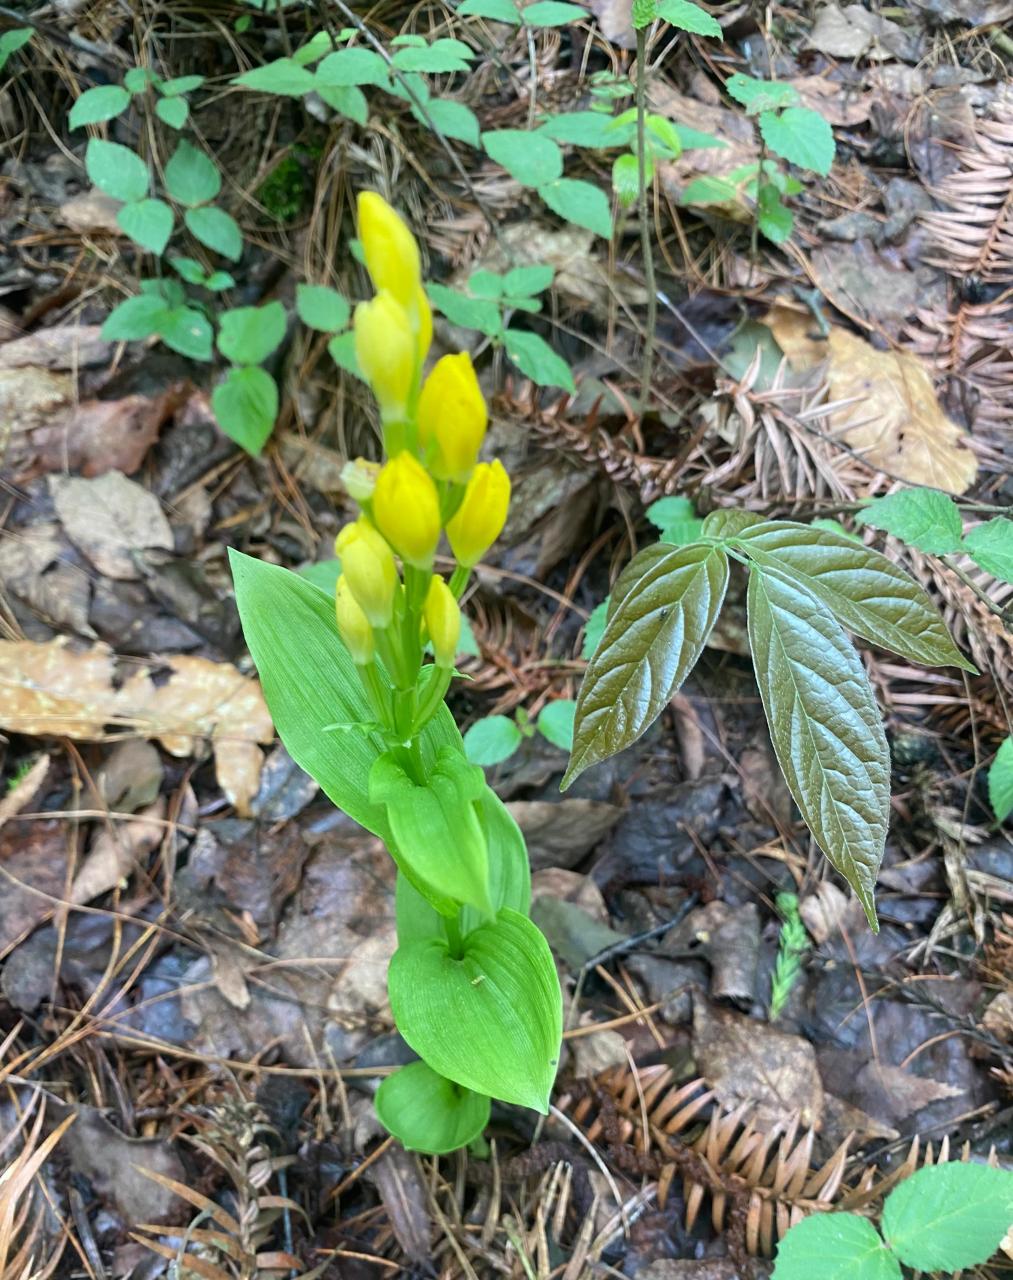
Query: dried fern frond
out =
(973, 236)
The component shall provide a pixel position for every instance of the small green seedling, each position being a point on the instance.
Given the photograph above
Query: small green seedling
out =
(494, 739)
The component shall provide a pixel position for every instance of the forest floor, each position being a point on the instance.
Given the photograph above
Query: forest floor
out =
(193, 942)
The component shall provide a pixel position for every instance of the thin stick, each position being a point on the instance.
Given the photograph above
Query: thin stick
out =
(645, 225)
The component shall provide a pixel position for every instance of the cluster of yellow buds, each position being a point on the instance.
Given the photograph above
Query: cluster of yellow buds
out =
(431, 483)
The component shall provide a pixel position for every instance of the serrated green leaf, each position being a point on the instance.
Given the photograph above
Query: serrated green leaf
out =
(136, 318)
(172, 111)
(824, 724)
(502, 993)
(579, 202)
(774, 219)
(187, 331)
(524, 282)
(990, 546)
(491, 740)
(868, 594)
(248, 335)
(555, 722)
(760, 95)
(1000, 781)
(321, 307)
(216, 229)
(148, 223)
(494, 10)
(346, 100)
(800, 136)
(552, 13)
(582, 129)
(95, 105)
(653, 638)
(643, 13)
(191, 177)
(626, 178)
(427, 1112)
(594, 629)
(834, 1246)
(689, 17)
(246, 407)
(923, 518)
(469, 313)
(350, 67)
(453, 119)
(116, 170)
(537, 360)
(949, 1217)
(284, 76)
(531, 158)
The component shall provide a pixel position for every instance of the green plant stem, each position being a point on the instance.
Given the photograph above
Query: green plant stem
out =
(459, 580)
(432, 696)
(533, 91)
(455, 939)
(375, 693)
(645, 226)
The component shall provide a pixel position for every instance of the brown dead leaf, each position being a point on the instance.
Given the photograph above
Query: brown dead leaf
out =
(117, 850)
(68, 346)
(91, 211)
(838, 104)
(398, 1178)
(24, 789)
(33, 870)
(861, 281)
(570, 886)
(111, 520)
(33, 570)
(115, 1165)
(749, 1061)
(561, 832)
(887, 1093)
(596, 1052)
(896, 422)
(729, 938)
(854, 32)
(30, 397)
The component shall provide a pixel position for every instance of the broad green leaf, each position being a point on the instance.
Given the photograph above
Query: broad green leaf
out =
(284, 76)
(949, 1217)
(469, 313)
(626, 178)
(350, 67)
(346, 100)
(453, 119)
(342, 352)
(248, 335)
(537, 360)
(774, 219)
(652, 641)
(179, 85)
(867, 592)
(1000, 781)
(187, 331)
(531, 158)
(427, 1112)
(96, 105)
(491, 1020)
(923, 518)
(689, 17)
(492, 740)
(321, 307)
(825, 726)
(581, 203)
(116, 170)
(438, 835)
(642, 563)
(495, 10)
(526, 281)
(761, 95)
(662, 130)
(594, 629)
(834, 1246)
(729, 522)
(309, 682)
(800, 136)
(441, 57)
(582, 129)
(13, 40)
(172, 111)
(552, 13)
(246, 407)
(315, 48)
(190, 269)
(139, 317)
(148, 223)
(555, 722)
(191, 177)
(137, 79)
(216, 229)
(990, 546)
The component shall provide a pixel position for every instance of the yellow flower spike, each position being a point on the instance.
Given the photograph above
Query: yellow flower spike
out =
(480, 518)
(406, 508)
(385, 347)
(359, 479)
(353, 625)
(392, 255)
(443, 621)
(369, 569)
(453, 417)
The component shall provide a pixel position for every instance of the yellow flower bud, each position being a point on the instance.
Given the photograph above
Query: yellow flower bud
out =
(480, 518)
(353, 625)
(392, 256)
(359, 478)
(452, 418)
(385, 348)
(369, 569)
(406, 508)
(443, 622)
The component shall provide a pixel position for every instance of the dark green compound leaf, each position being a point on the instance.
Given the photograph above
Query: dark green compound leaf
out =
(654, 636)
(824, 724)
(949, 1217)
(246, 407)
(923, 518)
(729, 523)
(834, 1246)
(868, 593)
(427, 1112)
(491, 1020)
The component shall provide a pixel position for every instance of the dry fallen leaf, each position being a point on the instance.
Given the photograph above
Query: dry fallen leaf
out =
(70, 346)
(53, 689)
(91, 211)
(110, 519)
(33, 569)
(895, 422)
(116, 851)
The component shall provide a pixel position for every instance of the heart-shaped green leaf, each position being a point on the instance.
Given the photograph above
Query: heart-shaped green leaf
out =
(427, 1112)
(867, 592)
(825, 726)
(652, 640)
(491, 1020)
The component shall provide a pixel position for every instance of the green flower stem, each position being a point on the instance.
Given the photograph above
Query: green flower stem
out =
(432, 695)
(378, 699)
(455, 939)
(459, 580)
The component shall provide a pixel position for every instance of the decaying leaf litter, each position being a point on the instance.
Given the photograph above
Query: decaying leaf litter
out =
(194, 944)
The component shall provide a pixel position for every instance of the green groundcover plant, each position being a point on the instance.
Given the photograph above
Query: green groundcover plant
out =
(472, 985)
